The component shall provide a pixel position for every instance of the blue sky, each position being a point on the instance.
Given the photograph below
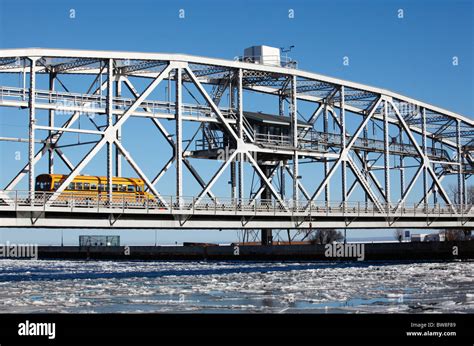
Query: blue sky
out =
(412, 55)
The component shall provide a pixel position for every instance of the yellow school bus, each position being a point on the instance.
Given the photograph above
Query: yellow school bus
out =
(94, 188)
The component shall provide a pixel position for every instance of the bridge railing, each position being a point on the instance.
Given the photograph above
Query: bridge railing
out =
(91, 202)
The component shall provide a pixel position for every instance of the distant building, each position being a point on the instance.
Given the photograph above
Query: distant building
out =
(427, 237)
(418, 237)
(435, 237)
(99, 240)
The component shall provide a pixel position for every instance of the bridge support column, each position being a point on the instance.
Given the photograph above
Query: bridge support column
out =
(266, 237)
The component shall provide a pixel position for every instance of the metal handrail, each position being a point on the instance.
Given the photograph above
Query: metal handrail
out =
(73, 201)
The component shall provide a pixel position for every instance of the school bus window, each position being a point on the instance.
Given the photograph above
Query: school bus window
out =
(87, 186)
(123, 188)
(71, 186)
(131, 188)
(101, 187)
(78, 186)
(93, 187)
(139, 188)
(40, 186)
(114, 187)
(56, 185)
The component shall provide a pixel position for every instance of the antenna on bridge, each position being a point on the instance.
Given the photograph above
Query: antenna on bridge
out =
(286, 61)
(286, 49)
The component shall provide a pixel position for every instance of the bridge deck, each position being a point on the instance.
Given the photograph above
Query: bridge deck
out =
(17, 210)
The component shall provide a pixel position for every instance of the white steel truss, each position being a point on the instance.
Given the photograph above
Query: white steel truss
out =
(432, 143)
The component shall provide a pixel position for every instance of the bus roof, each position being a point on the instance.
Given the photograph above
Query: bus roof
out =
(94, 178)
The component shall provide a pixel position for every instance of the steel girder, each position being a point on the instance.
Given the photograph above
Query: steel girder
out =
(340, 99)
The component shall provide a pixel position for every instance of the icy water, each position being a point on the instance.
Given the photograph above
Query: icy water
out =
(235, 287)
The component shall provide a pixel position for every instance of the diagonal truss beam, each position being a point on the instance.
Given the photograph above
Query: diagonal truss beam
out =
(300, 185)
(363, 182)
(426, 160)
(50, 141)
(262, 188)
(211, 103)
(110, 133)
(265, 180)
(316, 113)
(170, 141)
(360, 159)
(137, 169)
(409, 187)
(343, 155)
(215, 177)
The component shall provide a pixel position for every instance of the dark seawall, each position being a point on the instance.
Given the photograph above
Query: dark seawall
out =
(379, 251)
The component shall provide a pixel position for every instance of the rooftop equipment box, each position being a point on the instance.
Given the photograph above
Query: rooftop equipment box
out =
(264, 55)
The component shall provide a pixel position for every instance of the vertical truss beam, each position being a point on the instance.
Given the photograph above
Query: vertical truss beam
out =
(327, 197)
(240, 106)
(52, 77)
(343, 137)
(179, 136)
(118, 155)
(461, 195)
(282, 179)
(402, 165)
(110, 107)
(386, 135)
(294, 136)
(425, 151)
(31, 129)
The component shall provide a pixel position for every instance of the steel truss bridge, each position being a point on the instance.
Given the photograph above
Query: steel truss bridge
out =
(361, 142)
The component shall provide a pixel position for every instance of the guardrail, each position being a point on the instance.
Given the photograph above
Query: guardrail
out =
(71, 201)
(320, 141)
(90, 103)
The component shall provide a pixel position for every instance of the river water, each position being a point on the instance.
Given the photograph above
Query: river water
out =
(37, 286)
